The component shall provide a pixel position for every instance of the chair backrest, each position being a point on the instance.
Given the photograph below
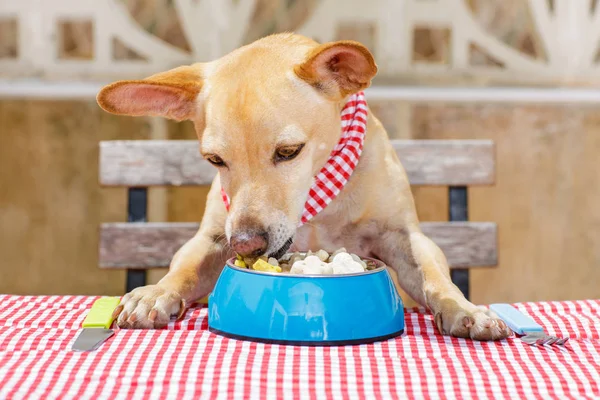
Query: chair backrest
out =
(143, 163)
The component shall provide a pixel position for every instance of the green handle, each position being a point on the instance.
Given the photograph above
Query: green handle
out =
(100, 315)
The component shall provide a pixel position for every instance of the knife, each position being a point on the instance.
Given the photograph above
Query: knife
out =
(96, 326)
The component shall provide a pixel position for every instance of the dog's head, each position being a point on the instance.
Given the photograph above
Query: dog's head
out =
(267, 116)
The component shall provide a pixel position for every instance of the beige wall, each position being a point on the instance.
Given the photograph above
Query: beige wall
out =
(50, 201)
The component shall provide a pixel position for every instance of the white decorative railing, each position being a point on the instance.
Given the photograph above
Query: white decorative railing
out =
(73, 90)
(569, 32)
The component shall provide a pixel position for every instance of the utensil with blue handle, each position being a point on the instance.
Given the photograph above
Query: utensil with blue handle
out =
(531, 333)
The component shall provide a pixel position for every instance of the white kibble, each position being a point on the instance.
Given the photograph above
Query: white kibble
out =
(358, 260)
(343, 258)
(346, 268)
(313, 269)
(315, 266)
(298, 267)
(344, 263)
(340, 250)
(335, 253)
(321, 263)
(296, 257)
(323, 255)
(313, 260)
(273, 261)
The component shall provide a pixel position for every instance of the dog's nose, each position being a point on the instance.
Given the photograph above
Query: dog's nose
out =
(250, 243)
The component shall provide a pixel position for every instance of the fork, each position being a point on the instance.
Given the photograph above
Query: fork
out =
(531, 333)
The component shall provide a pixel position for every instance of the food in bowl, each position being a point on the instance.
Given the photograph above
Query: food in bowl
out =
(339, 262)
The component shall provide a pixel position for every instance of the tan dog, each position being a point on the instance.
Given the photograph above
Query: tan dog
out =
(267, 116)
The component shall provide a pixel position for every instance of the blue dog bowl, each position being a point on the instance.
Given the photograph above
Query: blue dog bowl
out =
(305, 309)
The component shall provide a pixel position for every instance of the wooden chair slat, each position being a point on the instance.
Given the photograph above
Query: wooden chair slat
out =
(152, 245)
(138, 163)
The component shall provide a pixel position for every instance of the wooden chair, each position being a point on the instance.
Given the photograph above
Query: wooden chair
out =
(139, 245)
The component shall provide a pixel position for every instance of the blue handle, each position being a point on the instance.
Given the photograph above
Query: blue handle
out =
(515, 319)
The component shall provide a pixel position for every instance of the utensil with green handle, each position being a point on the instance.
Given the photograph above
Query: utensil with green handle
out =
(96, 326)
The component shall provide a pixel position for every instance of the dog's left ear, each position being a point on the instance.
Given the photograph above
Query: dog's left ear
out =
(172, 94)
(338, 69)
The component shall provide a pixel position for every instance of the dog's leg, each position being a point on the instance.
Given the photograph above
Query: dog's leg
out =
(192, 274)
(424, 274)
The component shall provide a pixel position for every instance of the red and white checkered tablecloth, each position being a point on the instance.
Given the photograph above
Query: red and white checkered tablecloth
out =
(187, 361)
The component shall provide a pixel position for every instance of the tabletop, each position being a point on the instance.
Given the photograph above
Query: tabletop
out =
(185, 360)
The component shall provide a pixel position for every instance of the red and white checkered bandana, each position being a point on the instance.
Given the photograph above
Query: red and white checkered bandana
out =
(341, 163)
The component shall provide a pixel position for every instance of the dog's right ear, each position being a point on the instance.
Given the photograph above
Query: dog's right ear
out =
(338, 69)
(172, 94)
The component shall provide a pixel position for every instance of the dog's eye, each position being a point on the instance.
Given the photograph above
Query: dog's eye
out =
(215, 160)
(287, 152)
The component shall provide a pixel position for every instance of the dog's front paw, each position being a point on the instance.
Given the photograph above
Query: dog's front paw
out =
(148, 307)
(478, 324)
